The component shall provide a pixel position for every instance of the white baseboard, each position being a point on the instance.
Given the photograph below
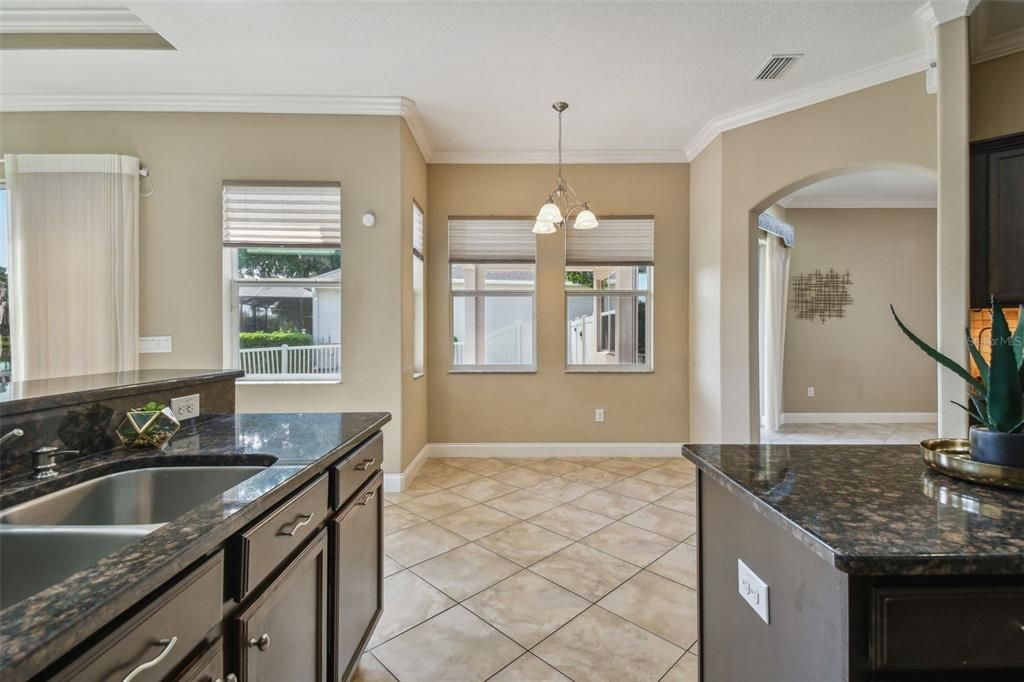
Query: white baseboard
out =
(860, 418)
(555, 449)
(396, 483)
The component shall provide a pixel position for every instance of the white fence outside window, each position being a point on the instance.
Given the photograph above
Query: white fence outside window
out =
(285, 361)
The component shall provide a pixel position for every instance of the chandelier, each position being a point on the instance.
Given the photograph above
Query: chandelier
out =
(563, 203)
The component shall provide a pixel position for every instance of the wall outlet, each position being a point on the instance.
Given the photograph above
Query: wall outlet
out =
(185, 407)
(154, 344)
(810, 391)
(599, 415)
(753, 590)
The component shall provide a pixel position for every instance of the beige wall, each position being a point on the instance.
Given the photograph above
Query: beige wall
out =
(551, 405)
(889, 125)
(862, 362)
(189, 155)
(414, 390)
(997, 97)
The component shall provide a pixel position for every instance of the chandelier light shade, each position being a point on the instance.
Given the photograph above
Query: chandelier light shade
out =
(563, 204)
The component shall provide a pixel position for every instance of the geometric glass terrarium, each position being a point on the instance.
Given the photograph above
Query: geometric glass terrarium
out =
(148, 427)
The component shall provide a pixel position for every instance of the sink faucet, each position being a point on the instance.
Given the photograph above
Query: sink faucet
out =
(13, 434)
(44, 461)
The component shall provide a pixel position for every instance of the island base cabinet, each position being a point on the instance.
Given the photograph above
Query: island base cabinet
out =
(357, 541)
(282, 634)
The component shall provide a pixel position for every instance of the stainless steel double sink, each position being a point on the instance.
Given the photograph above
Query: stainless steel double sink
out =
(45, 540)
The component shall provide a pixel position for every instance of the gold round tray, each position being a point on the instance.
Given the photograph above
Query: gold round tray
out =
(952, 456)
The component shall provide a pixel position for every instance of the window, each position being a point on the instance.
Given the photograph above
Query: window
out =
(282, 251)
(492, 272)
(418, 314)
(609, 296)
(5, 310)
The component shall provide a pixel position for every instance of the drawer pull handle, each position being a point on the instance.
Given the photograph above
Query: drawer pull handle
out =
(303, 520)
(366, 498)
(262, 642)
(167, 644)
(230, 678)
(365, 464)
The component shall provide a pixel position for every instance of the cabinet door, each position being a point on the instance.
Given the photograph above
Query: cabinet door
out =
(1006, 224)
(357, 560)
(283, 632)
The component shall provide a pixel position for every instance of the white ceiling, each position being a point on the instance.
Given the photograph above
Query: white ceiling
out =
(874, 189)
(643, 78)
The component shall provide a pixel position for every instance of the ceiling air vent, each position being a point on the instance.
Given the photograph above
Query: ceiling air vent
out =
(776, 66)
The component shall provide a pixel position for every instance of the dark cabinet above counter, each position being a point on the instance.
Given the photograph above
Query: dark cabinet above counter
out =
(997, 220)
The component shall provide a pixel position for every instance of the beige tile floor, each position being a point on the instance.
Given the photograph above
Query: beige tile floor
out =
(529, 570)
(849, 434)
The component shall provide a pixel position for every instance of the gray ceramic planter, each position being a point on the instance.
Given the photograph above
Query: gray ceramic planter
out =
(1004, 449)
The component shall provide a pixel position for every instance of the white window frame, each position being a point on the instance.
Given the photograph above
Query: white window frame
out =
(481, 295)
(232, 327)
(419, 315)
(596, 293)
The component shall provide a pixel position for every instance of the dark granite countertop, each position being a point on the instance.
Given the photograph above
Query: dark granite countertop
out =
(297, 447)
(40, 394)
(874, 509)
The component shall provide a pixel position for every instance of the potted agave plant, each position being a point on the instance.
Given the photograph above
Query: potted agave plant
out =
(997, 396)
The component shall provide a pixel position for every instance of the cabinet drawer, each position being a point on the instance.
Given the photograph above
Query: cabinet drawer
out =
(352, 474)
(283, 632)
(357, 561)
(946, 628)
(266, 545)
(162, 635)
(208, 666)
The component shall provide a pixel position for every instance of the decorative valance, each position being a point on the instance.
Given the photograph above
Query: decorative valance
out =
(780, 229)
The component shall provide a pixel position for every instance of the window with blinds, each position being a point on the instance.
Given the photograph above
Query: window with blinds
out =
(282, 246)
(609, 296)
(492, 279)
(418, 300)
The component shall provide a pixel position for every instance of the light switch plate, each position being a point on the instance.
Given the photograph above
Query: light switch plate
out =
(753, 590)
(154, 344)
(599, 415)
(185, 407)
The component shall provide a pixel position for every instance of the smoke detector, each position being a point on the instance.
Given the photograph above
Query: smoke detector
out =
(776, 66)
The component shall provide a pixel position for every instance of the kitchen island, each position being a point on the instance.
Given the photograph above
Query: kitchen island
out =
(854, 562)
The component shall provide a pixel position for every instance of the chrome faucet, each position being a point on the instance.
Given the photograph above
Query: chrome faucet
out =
(44, 461)
(13, 434)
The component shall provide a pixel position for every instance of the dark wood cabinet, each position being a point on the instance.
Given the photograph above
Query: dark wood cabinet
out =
(997, 221)
(357, 548)
(282, 634)
(208, 666)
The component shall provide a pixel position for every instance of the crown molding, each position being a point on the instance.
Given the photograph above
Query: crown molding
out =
(550, 156)
(861, 202)
(836, 87)
(989, 41)
(70, 20)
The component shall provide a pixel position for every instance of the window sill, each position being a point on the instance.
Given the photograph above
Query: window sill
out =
(418, 375)
(287, 382)
(529, 370)
(608, 369)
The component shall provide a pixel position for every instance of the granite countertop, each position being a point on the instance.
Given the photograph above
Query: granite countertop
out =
(874, 509)
(294, 447)
(39, 394)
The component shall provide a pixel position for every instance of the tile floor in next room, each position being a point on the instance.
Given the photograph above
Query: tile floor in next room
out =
(849, 434)
(539, 569)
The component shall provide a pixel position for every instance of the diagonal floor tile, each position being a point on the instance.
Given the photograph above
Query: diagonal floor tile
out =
(554, 466)
(640, 489)
(664, 521)
(437, 504)
(680, 565)
(598, 646)
(483, 489)
(681, 464)
(585, 571)
(391, 566)
(419, 543)
(523, 504)
(475, 522)
(448, 477)
(561, 489)
(592, 476)
(396, 518)
(623, 466)
(529, 668)
(608, 503)
(524, 543)
(486, 466)
(526, 607)
(521, 477)
(371, 670)
(666, 476)
(572, 522)
(658, 605)
(408, 601)
(466, 570)
(683, 671)
(683, 500)
(455, 646)
(415, 489)
(635, 545)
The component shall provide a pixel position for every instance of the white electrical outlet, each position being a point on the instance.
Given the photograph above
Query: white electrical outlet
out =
(154, 344)
(753, 590)
(185, 407)
(599, 415)
(810, 391)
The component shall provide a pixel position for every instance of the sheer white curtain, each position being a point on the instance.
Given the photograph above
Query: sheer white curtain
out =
(775, 295)
(74, 281)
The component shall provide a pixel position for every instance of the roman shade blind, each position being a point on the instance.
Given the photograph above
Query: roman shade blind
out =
(417, 231)
(616, 241)
(282, 214)
(487, 240)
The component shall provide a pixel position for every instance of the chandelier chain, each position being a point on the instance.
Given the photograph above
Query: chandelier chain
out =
(559, 147)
